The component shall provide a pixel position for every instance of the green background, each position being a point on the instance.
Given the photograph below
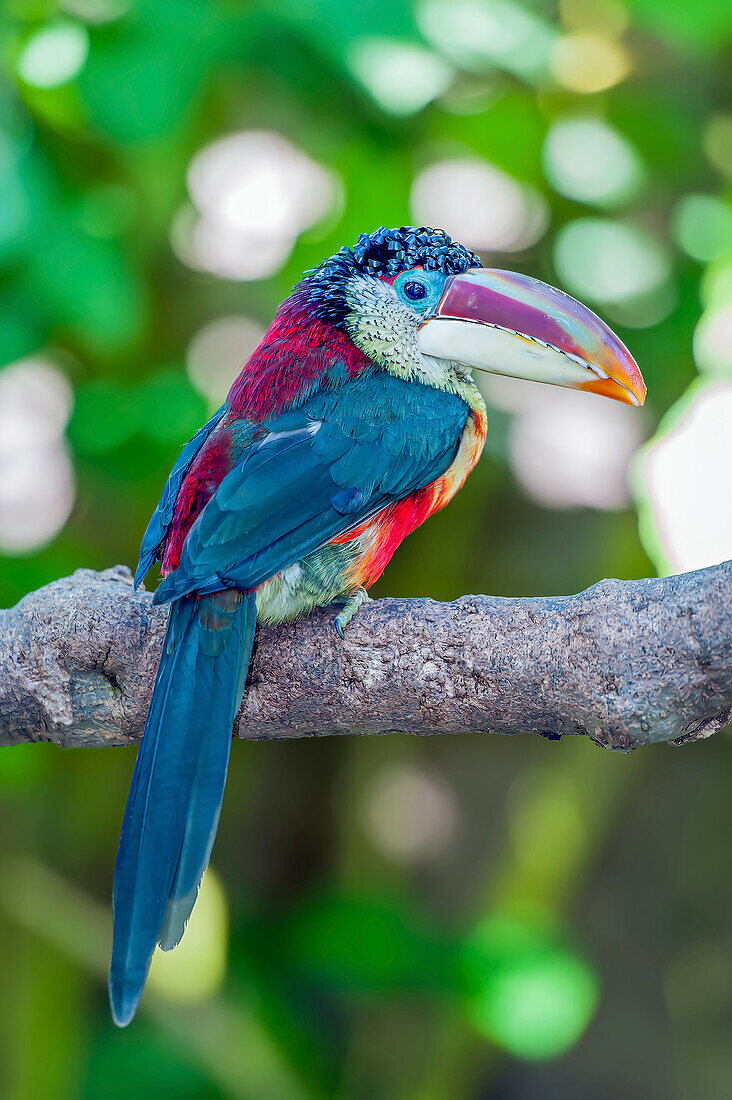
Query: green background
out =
(467, 917)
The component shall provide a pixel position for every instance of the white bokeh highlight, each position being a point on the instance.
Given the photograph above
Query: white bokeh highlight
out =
(36, 476)
(479, 205)
(217, 352)
(253, 194)
(713, 340)
(568, 449)
(479, 35)
(624, 268)
(402, 77)
(609, 261)
(684, 482)
(587, 160)
(54, 55)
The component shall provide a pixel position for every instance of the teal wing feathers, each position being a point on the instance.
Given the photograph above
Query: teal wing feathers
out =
(157, 528)
(316, 473)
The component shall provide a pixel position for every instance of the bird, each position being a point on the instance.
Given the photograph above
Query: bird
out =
(355, 419)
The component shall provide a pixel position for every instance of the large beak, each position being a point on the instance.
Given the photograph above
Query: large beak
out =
(506, 323)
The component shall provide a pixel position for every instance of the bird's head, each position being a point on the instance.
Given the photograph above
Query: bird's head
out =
(418, 303)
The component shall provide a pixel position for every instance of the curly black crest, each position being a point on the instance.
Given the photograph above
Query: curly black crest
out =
(385, 252)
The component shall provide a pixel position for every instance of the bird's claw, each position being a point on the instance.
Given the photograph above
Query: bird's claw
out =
(357, 598)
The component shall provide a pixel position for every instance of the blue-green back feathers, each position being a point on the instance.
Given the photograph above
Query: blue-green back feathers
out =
(157, 528)
(316, 473)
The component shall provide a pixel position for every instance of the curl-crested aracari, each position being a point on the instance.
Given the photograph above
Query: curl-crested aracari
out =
(354, 420)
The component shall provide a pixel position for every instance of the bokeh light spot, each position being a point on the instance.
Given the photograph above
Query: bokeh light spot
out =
(408, 814)
(567, 449)
(479, 205)
(589, 62)
(217, 352)
(526, 993)
(702, 226)
(97, 11)
(540, 1007)
(480, 34)
(716, 285)
(36, 478)
(717, 142)
(402, 77)
(54, 55)
(195, 970)
(683, 482)
(589, 161)
(713, 340)
(255, 193)
(605, 16)
(616, 264)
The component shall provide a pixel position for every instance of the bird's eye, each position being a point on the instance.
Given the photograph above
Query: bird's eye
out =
(419, 289)
(414, 291)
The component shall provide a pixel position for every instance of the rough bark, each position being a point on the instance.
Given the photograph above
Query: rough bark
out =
(625, 663)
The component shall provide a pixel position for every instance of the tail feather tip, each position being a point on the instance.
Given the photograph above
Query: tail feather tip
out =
(124, 997)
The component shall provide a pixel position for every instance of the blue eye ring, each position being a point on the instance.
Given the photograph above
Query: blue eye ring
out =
(419, 289)
(414, 291)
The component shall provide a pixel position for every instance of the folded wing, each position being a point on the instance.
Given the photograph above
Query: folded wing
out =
(317, 473)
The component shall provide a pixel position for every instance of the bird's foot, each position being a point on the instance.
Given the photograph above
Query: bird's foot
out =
(354, 601)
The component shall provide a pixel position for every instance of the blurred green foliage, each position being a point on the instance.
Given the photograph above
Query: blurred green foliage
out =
(406, 920)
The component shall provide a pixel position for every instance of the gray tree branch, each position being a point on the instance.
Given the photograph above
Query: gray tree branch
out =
(625, 663)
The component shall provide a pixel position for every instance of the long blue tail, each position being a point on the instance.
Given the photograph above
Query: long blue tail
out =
(175, 799)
